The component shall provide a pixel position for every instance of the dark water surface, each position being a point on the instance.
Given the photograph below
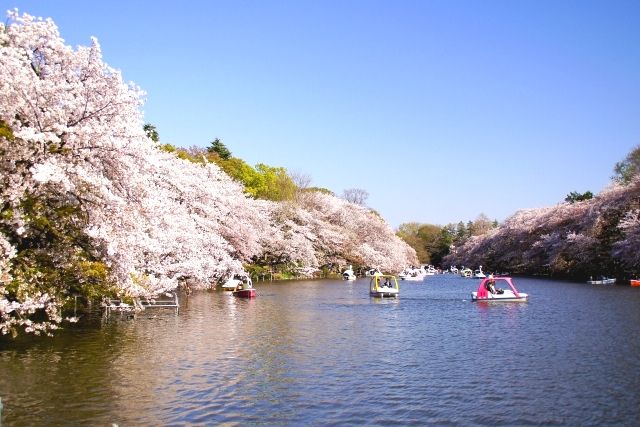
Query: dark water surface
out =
(325, 353)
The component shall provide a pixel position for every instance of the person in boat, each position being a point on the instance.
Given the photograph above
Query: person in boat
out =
(387, 283)
(491, 284)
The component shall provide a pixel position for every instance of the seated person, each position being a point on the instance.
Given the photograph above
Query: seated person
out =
(490, 285)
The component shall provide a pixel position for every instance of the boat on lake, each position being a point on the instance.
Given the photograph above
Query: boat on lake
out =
(240, 285)
(384, 286)
(634, 282)
(429, 270)
(373, 272)
(349, 274)
(488, 291)
(602, 281)
(466, 272)
(478, 274)
(415, 274)
(245, 290)
(237, 279)
(245, 293)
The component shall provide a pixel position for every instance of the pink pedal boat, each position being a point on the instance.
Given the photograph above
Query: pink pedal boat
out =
(488, 291)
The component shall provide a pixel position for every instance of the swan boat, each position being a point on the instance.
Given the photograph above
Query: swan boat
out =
(466, 272)
(478, 274)
(430, 270)
(240, 285)
(415, 274)
(384, 286)
(349, 274)
(373, 272)
(237, 279)
(487, 291)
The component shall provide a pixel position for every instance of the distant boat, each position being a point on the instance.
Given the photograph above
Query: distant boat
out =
(602, 281)
(466, 272)
(430, 270)
(415, 274)
(349, 274)
(478, 274)
(634, 282)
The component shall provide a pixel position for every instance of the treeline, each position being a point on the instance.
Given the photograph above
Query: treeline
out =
(433, 243)
(585, 236)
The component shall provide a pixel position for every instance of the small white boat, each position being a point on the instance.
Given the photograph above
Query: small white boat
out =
(349, 274)
(384, 286)
(478, 274)
(602, 281)
(489, 292)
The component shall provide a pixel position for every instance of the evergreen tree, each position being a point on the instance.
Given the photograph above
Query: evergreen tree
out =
(218, 147)
(151, 132)
(574, 196)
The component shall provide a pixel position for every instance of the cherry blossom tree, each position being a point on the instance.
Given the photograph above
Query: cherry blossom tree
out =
(75, 131)
(574, 239)
(92, 206)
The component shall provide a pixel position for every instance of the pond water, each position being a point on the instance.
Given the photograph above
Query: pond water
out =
(325, 353)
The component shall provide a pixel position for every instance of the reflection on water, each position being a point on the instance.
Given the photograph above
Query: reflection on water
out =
(325, 353)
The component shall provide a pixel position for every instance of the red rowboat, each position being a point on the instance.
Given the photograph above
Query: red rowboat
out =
(245, 293)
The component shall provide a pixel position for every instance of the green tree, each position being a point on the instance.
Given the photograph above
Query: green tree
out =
(574, 196)
(219, 148)
(151, 132)
(410, 233)
(254, 182)
(55, 256)
(461, 233)
(430, 236)
(5, 131)
(629, 168)
(278, 186)
(431, 242)
(444, 246)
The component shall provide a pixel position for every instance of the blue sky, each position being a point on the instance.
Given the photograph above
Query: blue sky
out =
(441, 110)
